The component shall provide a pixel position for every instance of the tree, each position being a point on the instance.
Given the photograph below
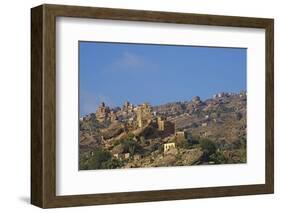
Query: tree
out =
(185, 143)
(98, 159)
(112, 164)
(130, 136)
(218, 158)
(240, 144)
(208, 147)
(131, 146)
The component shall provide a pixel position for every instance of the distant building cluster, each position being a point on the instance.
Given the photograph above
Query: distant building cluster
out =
(144, 135)
(141, 116)
(137, 118)
(228, 94)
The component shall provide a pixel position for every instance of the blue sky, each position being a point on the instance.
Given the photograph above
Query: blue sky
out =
(116, 72)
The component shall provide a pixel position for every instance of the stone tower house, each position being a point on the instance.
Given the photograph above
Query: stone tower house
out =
(143, 115)
(102, 112)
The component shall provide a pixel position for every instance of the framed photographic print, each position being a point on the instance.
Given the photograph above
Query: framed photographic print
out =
(136, 106)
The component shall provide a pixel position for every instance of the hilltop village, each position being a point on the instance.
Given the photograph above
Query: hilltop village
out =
(174, 134)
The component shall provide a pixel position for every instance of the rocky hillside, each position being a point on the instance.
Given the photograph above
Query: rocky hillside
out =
(191, 132)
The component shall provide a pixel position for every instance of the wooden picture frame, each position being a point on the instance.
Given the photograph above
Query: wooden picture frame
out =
(43, 105)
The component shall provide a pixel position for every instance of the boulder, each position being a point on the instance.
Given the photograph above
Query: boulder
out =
(113, 130)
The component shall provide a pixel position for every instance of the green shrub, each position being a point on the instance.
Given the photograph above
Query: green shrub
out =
(131, 146)
(112, 164)
(240, 144)
(98, 158)
(116, 142)
(243, 156)
(208, 147)
(185, 144)
(83, 163)
(130, 136)
(218, 158)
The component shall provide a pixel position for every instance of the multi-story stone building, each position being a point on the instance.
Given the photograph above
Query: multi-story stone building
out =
(144, 115)
(169, 146)
(165, 127)
(128, 107)
(102, 112)
(113, 116)
(180, 136)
